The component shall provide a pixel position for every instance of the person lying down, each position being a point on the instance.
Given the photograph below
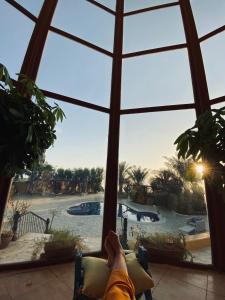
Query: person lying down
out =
(119, 286)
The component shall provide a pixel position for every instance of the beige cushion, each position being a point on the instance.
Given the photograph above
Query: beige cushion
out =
(97, 274)
(95, 277)
(141, 280)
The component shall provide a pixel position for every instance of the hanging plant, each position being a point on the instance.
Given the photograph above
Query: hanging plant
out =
(205, 143)
(27, 124)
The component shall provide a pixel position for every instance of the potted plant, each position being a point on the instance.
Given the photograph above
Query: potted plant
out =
(165, 247)
(62, 244)
(205, 142)
(6, 237)
(27, 124)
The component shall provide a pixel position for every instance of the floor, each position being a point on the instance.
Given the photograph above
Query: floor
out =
(56, 283)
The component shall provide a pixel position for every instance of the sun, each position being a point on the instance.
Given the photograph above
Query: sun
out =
(200, 169)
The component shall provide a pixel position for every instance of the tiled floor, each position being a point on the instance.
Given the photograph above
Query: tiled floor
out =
(56, 283)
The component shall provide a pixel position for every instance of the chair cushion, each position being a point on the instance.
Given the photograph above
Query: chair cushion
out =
(142, 281)
(97, 272)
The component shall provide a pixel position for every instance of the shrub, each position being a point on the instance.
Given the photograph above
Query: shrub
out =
(59, 238)
(64, 236)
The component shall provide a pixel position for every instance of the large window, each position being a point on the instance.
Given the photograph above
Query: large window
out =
(209, 15)
(65, 192)
(146, 30)
(74, 70)
(80, 18)
(213, 55)
(68, 188)
(155, 194)
(33, 7)
(156, 79)
(139, 4)
(110, 4)
(17, 33)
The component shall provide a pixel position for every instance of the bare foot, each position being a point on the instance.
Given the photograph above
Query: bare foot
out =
(114, 241)
(109, 251)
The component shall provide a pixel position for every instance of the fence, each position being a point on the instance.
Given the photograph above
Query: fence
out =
(28, 222)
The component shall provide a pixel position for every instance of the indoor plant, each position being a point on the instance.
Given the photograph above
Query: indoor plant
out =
(205, 142)
(164, 247)
(27, 124)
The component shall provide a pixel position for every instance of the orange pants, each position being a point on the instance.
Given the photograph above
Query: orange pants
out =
(119, 287)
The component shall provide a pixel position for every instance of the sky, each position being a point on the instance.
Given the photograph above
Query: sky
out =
(77, 71)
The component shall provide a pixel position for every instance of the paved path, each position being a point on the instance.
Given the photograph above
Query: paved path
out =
(22, 249)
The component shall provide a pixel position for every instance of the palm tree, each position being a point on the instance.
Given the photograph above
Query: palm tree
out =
(183, 168)
(96, 177)
(86, 177)
(68, 174)
(43, 175)
(79, 177)
(138, 175)
(60, 174)
(166, 182)
(123, 175)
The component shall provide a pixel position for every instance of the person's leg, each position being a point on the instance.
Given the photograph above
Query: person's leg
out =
(109, 252)
(119, 262)
(119, 286)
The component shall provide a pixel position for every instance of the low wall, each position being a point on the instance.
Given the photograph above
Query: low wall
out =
(193, 242)
(197, 241)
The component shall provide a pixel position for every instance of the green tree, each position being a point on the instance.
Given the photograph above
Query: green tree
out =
(75, 181)
(46, 178)
(86, 180)
(68, 174)
(137, 175)
(96, 177)
(183, 168)
(59, 174)
(178, 187)
(137, 178)
(43, 172)
(79, 178)
(123, 175)
(166, 182)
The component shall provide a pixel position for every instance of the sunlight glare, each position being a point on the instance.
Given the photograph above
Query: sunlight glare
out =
(200, 169)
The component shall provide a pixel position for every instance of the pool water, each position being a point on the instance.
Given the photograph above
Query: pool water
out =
(125, 211)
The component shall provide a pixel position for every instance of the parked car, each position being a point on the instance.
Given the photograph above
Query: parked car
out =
(85, 208)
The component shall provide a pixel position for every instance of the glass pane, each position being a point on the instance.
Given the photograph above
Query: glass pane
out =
(213, 51)
(155, 196)
(74, 70)
(85, 20)
(156, 79)
(138, 4)
(82, 145)
(68, 189)
(146, 30)
(110, 4)
(208, 14)
(15, 35)
(218, 105)
(32, 6)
